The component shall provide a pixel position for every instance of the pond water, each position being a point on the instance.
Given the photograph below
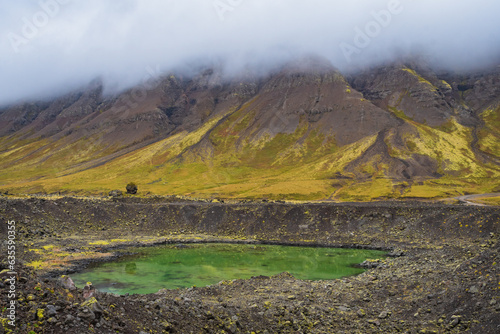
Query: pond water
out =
(200, 265)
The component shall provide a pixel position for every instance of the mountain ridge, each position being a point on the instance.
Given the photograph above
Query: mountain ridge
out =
(307, 131)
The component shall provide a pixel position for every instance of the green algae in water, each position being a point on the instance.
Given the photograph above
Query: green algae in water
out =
(171, 267)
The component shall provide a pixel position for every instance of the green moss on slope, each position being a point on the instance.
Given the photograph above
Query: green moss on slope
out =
(219, 159)
(489, 135)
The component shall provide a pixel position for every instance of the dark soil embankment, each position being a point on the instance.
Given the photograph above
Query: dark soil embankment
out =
(447, 280)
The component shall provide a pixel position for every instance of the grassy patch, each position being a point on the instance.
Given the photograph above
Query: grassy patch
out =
(379, 188)
(489, 135)
(494, 200)
(420, 78)
(99, 243)
(399, 113)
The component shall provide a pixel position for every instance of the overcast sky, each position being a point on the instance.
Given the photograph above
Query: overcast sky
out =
(49, 46)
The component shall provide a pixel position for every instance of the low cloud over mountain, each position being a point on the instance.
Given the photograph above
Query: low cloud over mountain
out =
(51, 46)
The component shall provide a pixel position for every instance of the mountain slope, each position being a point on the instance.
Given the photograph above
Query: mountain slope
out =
(305, 132)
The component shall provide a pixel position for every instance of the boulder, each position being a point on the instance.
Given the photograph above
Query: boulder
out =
(67, 283)
(89, 291)
(115, 193)
(51, 310)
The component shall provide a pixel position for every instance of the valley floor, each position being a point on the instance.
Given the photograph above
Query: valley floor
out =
(441, 274)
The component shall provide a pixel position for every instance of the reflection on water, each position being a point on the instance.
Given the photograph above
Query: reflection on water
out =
(173, 267)
(131, 268)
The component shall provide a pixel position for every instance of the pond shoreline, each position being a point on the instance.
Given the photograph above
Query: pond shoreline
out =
(183, 265)
(447, 280)
(116, 250)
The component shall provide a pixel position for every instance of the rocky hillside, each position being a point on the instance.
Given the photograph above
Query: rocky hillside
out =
(304, 132)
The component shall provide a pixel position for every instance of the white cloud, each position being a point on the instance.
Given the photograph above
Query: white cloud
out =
(52, 45)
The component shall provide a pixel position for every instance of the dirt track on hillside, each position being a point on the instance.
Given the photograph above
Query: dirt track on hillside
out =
(469, 199)
(443, 275)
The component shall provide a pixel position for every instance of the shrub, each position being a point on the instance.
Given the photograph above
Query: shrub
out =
(132, 188)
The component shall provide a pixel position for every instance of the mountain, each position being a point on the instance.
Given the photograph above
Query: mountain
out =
(402, 130)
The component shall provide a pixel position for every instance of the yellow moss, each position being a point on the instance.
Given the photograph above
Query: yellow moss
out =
(298, 165)
(399, 113)
(120, 240)
(36, 264)
(450, 149)
(367, 191)
(420, 78)
(489, 135)
(99, 242)
(89, 302)
(431, 189)
(447, 85)
(5, 322)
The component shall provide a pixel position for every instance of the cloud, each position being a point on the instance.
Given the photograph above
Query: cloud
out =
(50, 46)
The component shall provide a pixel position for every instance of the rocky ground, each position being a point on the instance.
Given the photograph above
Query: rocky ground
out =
(441, 274)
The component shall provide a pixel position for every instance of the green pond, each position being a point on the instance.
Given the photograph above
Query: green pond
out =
(182, 266)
